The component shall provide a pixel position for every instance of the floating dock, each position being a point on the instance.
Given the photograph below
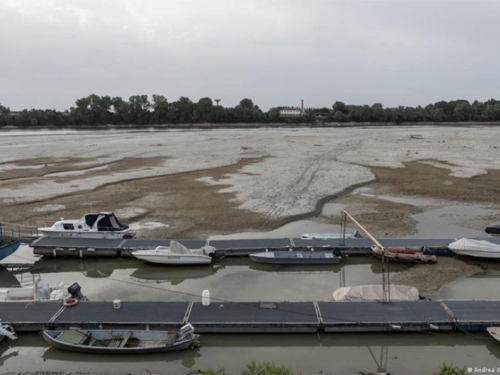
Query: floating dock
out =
(80, 247)
(258, 317)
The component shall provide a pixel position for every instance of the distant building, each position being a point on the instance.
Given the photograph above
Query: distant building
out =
(292, 111)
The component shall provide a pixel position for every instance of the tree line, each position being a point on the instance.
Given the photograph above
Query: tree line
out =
(140, 110)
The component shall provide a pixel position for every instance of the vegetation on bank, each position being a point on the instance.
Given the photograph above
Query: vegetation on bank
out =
(255, 368)
(140, 110)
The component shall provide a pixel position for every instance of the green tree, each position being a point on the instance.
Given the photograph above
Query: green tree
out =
(160, 109)
(139, 109)
(204, 109)
(340, 106)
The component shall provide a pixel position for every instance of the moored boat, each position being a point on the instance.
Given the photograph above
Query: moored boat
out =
(494, 332)
(92, 225)
(41, 291)
(176, 254)
(493, 229)
(475, 248)
(8, 247)
(376, 293)
(329, 236)
(296, 257)
(122, 341)
(403, 255)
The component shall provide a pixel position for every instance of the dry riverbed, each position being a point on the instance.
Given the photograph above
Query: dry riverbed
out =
(199, 183)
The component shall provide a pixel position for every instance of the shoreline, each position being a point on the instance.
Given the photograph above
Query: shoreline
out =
(284, 125)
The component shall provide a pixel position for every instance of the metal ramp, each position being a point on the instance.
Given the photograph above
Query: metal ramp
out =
(23, 233)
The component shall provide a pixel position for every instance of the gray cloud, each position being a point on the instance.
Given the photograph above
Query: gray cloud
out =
(275, 52)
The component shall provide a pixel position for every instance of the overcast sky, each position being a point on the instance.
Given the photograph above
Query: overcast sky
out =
(275, 52)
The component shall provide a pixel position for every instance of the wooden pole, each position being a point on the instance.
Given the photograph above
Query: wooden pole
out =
(364, 230)
(386, 283)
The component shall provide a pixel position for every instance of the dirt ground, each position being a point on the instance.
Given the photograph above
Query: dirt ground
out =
(193, 208)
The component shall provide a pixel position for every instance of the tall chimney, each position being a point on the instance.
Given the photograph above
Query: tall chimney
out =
(302, 106)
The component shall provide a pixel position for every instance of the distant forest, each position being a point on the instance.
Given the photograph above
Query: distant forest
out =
(140, 110)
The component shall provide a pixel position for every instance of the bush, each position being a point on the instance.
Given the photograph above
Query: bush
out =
(450, 370)
(257, 368)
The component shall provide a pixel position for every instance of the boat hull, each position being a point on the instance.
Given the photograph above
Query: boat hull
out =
(180, 345)
(284, 260)
(90, 235)
(493, 229)
(404, 255)
(9, 249)
(479, 254)
(175, 259)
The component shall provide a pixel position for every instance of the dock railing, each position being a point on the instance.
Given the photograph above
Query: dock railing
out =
(19, 232)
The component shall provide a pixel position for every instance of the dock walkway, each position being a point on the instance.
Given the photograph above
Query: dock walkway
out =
(258, 317)
(81, 247)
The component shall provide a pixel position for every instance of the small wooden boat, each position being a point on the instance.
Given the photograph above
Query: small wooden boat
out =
(404, 255)
(122, 341)
(494, 332)
(329, 236)
(296, 257)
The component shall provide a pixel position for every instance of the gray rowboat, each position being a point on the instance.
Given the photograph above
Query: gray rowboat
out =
(296, 257)
(121, 341)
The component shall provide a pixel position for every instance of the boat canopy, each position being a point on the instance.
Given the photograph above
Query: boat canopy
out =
(106, 222)
(375, 293)
(177, 248)
(474, 245)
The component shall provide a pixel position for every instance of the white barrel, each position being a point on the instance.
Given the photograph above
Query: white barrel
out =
(205, 298)
(116, 304)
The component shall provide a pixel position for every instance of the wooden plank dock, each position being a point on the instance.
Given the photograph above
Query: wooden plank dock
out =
(258, 317)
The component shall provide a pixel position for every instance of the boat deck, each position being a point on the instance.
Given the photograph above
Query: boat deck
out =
(257, 317)
(79, 247)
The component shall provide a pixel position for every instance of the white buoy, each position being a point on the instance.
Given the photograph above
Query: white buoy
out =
(116, 304)
(205, 298)
(395, 326)
(434, 327)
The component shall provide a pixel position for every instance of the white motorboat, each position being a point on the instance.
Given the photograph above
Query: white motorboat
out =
(329, 236)
(176, 254)
(475, 248)
(92, 225)
(41, 291)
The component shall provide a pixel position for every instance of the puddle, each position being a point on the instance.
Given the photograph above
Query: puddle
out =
(79, 172)
(290, 230)
(148, 225)
(10, 167)
(444, 222)
(50, 208)
(129, 212)
(412, 201)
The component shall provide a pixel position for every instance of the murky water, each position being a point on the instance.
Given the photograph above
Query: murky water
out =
(240, 279)
(306, 354)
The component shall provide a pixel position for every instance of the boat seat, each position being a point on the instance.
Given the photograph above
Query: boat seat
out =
(125, 339)
(115, 343)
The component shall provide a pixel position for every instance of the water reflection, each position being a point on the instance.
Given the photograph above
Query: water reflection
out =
(331, 353)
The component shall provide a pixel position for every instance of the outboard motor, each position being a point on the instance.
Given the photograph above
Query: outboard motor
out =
(75, 291)
(187, 330)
